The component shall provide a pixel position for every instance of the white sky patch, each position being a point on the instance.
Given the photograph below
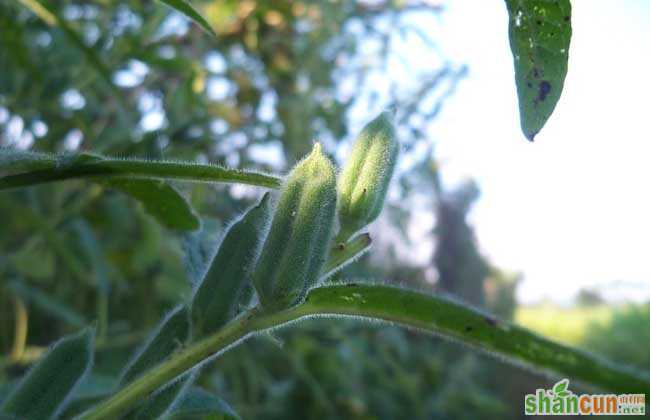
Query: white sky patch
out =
(72, 140)
(269, 153)
(219, 88)
(215, 62)
(73, 99)
(132, 75)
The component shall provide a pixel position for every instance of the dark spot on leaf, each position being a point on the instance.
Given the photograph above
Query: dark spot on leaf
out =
(567, 18)
(468, 328)
(539, 22)
(341, 246)
(352, 284)
(535, 72)
(544, 89)
(530, 85)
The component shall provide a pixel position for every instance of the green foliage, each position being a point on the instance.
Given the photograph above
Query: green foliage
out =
(540, 34)
(218, 295)
(622, 336)
(45, 390)
(298, 241)
(160, 200)
(171, 334)
(455, 320)
(366, 176)
(199, 404)
(62, 167)
(282, 53)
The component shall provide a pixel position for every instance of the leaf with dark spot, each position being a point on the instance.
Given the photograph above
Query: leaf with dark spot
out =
(540, 34)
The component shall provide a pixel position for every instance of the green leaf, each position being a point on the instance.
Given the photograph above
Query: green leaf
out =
(99, 168)
(216, 299)
(461, 323)
(99, 265)
(44, 391)
(160, 200)
(200, 404)
(398, 306)
(540, 34)
(170, 335)
(95, 254)
(198, 249)
(188, 10)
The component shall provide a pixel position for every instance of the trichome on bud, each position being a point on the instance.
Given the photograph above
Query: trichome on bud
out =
(298, 241)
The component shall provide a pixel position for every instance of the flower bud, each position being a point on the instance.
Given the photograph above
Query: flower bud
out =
(298, 241)
(219, 294)
(365, 178)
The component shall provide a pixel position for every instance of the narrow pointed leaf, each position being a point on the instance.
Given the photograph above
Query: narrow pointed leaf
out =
(200, 404)
(198, 249)
(217, 297)
(160, 200)
(184, 7)
(53, 168)
(540, 34)
(456, 321)
(172, 332)
(46, 389)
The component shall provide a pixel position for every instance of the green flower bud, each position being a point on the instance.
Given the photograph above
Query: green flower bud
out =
(46, 389)
(365, 178)
(298, 242)
(219, 294)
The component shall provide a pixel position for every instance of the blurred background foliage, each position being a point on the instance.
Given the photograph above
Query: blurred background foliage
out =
(133, 78)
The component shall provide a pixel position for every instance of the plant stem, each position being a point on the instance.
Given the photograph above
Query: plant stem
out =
(20, 330)
(395, 305)
(139, 169)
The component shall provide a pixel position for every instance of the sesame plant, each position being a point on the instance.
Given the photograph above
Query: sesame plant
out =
(274, 264)
(271, 270)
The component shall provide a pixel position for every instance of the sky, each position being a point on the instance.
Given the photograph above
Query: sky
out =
(569, 210)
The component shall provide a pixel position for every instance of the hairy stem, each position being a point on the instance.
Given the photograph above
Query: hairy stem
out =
(404, 307)
(141, 169)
